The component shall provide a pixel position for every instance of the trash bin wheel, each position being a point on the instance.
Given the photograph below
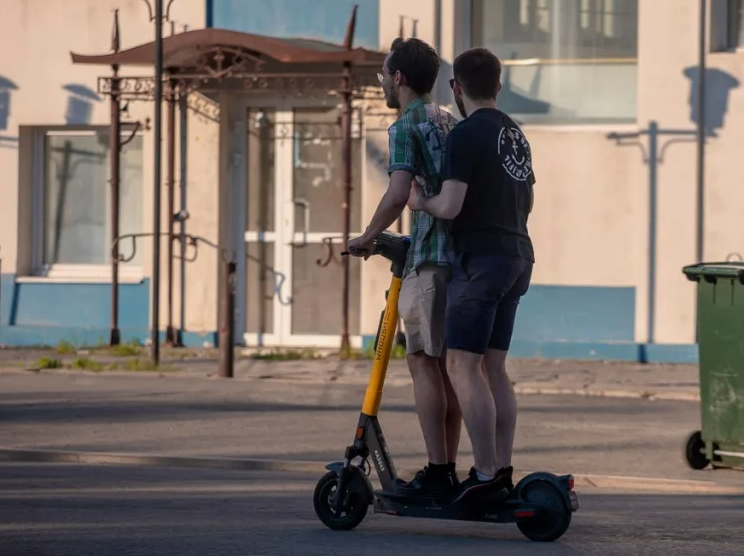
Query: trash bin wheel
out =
(695, 451)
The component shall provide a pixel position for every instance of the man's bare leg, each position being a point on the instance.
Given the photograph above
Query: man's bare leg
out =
(494, 367)
(477, 405)
(453, 419)
(430, 398)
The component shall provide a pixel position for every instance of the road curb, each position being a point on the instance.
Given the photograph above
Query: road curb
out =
(525, 389)
(582, 481)
(610, 393)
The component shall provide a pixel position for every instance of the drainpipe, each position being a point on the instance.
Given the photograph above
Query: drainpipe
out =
(700, 235)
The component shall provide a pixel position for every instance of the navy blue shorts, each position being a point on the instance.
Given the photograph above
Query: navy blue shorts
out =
(482, 299)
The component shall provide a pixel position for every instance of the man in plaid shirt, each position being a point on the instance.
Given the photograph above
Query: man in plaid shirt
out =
(417, 142)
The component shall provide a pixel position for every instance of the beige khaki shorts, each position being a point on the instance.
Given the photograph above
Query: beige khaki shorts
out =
(422, 302)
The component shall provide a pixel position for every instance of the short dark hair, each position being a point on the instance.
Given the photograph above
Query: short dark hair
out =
(478, 71)
(418, 61)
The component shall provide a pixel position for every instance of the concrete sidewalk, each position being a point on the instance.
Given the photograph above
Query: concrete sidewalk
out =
(586, 378)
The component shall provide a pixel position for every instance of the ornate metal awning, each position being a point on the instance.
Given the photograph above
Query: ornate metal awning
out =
(209, 60)
(212, 60)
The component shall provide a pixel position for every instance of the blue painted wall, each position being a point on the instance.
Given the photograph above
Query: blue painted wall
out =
(584, 322)
(554, 322)
(314, 19)
(46, 313)
(576, 314)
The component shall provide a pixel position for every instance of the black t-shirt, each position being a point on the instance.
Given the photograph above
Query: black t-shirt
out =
(489, 152)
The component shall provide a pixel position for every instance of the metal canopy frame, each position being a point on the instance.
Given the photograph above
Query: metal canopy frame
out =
(193, 64)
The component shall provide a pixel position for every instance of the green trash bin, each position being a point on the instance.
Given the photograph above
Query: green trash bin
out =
(720, 330)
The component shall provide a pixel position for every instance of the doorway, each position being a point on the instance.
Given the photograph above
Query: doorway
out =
(295, 198)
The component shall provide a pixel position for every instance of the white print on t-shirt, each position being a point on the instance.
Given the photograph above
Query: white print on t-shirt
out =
(514, 153)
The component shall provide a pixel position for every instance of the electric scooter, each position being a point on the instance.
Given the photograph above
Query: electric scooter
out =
(541, 503)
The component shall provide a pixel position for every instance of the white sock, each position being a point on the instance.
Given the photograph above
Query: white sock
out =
(482, 477)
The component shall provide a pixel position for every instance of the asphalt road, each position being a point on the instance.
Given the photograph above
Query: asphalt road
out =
(67, 510)
(313, 422)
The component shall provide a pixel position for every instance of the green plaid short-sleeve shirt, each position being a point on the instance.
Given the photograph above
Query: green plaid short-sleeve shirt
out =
(417, 142)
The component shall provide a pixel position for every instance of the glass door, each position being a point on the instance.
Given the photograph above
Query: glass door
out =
(296, 198)
(317, 219)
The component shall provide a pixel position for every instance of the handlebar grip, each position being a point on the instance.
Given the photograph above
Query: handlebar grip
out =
(356, 252)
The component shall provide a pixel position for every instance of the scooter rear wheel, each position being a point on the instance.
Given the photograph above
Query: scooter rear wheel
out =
(553, 517)
(354, 508)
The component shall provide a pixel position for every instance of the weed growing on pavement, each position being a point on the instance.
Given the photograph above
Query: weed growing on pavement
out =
(144, 365)
(87, 364)
(126, 350)
(286, 355)
(48, 363)
(64, 347)
(398, 352)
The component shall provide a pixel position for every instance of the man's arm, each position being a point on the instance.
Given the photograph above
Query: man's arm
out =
(391, 205)
(402, 169)
(456, 174)
(448, 204)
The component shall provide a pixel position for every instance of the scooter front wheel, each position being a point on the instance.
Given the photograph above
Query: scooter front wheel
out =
(553, 517)
(354, 507)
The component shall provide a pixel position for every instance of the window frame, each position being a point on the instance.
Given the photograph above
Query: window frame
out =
(82, 273)
(465, 28)
(725, 26)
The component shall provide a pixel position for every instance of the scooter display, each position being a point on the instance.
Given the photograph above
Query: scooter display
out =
(541, 503)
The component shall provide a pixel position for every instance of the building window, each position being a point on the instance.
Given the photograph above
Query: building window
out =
(565, 61)
(727, 25)
(72, 203)
(323, 20)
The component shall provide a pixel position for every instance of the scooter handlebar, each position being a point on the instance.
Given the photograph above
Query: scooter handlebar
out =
(383, 243)
(355, 252)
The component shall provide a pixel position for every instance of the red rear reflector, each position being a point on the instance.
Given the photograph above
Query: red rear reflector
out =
(519, 514)
(570, 482)
(360, 433)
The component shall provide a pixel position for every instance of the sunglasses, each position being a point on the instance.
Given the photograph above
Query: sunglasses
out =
(381, 77)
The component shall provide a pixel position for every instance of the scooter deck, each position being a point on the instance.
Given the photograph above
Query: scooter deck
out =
(510, 510)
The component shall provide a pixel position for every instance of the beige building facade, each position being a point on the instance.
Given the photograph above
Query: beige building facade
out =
(605, 90)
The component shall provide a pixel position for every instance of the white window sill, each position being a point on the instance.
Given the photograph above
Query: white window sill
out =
(78, 280)
(82, 274)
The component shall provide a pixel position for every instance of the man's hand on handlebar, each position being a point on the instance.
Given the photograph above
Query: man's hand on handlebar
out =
(361, 247)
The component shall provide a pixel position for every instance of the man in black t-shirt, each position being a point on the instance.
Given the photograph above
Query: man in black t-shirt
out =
(487, 192)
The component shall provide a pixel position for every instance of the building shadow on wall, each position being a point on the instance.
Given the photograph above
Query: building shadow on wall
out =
(80, 104)
(654, 141)
(514, 101)
(7, 88)
(718, 87)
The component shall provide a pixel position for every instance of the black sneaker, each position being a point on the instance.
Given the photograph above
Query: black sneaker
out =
(493, 490)
(432, 482)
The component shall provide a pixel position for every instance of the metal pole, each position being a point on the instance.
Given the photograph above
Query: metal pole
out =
(653, 144)
(700, 239)
(263, 255)
(227, 328)
(183, 108)
(170, 332)
(346, 146)
(115, 147)
(155, 348)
